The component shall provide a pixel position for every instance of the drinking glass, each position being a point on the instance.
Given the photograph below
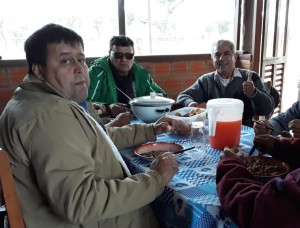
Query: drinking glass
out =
(197, 137)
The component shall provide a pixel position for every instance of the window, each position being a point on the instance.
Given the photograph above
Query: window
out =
(156, 26)
(178, 26)
(95, 20)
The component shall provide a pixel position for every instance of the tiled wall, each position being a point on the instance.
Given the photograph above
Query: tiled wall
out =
(172, 73)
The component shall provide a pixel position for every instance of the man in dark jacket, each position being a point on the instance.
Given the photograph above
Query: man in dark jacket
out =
(229, 82)
(286, 121)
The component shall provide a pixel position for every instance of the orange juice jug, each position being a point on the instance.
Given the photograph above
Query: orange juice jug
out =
(224, 122)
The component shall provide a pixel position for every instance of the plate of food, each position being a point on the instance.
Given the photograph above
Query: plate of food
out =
(150, 151)
(266, 168)
(186, 116)
(188, 113)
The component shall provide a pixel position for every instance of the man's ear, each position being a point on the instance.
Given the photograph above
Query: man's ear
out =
(37, 71)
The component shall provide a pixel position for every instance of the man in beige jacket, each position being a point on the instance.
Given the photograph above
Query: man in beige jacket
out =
(67, 168)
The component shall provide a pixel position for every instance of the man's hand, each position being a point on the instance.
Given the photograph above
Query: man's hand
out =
(121, 120)
(260, 129)
(193, 104)
(265, 143)
(202, 105)
(164, 124)
(294, 125)
(166, 165)
(229, 152)
(100, 109)
(117, 108)
(248, 86)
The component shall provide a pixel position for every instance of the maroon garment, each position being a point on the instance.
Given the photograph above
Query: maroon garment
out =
(288, 150)
(251, 204)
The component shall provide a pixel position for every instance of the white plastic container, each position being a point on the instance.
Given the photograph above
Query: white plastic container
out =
(184, 126)
(225, 121)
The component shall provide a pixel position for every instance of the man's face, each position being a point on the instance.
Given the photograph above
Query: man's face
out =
(224, 60)
(66, 70)
(118, 59)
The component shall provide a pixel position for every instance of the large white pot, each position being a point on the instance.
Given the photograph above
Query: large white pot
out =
(148, 109)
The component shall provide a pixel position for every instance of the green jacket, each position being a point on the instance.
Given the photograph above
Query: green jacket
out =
(102, 88)
(65, 166)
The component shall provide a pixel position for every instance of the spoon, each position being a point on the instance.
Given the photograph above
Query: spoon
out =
(150, 87)
(122, 92)
(252, 149)
(182, 150)
(266, 126)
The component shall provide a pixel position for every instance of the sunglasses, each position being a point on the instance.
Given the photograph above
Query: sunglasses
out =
(119, 55)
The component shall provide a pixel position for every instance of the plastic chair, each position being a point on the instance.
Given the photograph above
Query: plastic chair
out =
(10, 199)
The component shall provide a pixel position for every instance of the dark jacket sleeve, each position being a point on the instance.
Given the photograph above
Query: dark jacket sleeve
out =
(262, 101)
(196, 92)
(280, 122)
(288, 150)
(251, 204)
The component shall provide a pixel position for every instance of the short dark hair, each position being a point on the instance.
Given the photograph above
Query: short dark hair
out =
(121, 40)
(36, 45)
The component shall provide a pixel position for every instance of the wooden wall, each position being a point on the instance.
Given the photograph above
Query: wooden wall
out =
(172, 73)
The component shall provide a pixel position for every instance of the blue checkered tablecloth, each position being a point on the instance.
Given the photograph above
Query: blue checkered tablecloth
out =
(190, 199)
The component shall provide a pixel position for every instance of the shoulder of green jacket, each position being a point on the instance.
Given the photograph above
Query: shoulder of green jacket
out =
(100, 62)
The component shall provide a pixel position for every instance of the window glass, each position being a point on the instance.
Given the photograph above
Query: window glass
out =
(281, 28)
(156, 26)
(178, 26)
(271, 28)
(95, 20)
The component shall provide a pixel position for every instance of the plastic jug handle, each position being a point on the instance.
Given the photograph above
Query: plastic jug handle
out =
(212, 116)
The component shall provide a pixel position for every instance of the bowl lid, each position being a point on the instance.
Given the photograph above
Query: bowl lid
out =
(152, 100)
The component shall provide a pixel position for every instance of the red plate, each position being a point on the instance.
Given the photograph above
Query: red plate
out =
(152, 150)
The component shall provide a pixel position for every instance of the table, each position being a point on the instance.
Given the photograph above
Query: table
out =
(190, 199)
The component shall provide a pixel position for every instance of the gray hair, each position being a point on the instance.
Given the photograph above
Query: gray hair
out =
(220, 43)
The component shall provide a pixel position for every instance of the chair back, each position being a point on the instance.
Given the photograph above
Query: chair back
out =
(9, 194)
(243, 60)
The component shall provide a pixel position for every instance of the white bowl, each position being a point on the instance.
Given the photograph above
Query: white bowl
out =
(184, 123)
(148, 109)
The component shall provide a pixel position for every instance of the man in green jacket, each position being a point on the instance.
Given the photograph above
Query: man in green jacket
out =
(119, 69)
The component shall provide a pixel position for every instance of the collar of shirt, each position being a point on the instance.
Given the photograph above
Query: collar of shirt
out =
(225, 82)
(84, 106)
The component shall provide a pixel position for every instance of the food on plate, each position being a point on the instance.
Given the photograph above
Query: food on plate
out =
(191, 113)
(261, 166)
(152, 154)
(185, 117)
(265, 166)
(153, 150)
